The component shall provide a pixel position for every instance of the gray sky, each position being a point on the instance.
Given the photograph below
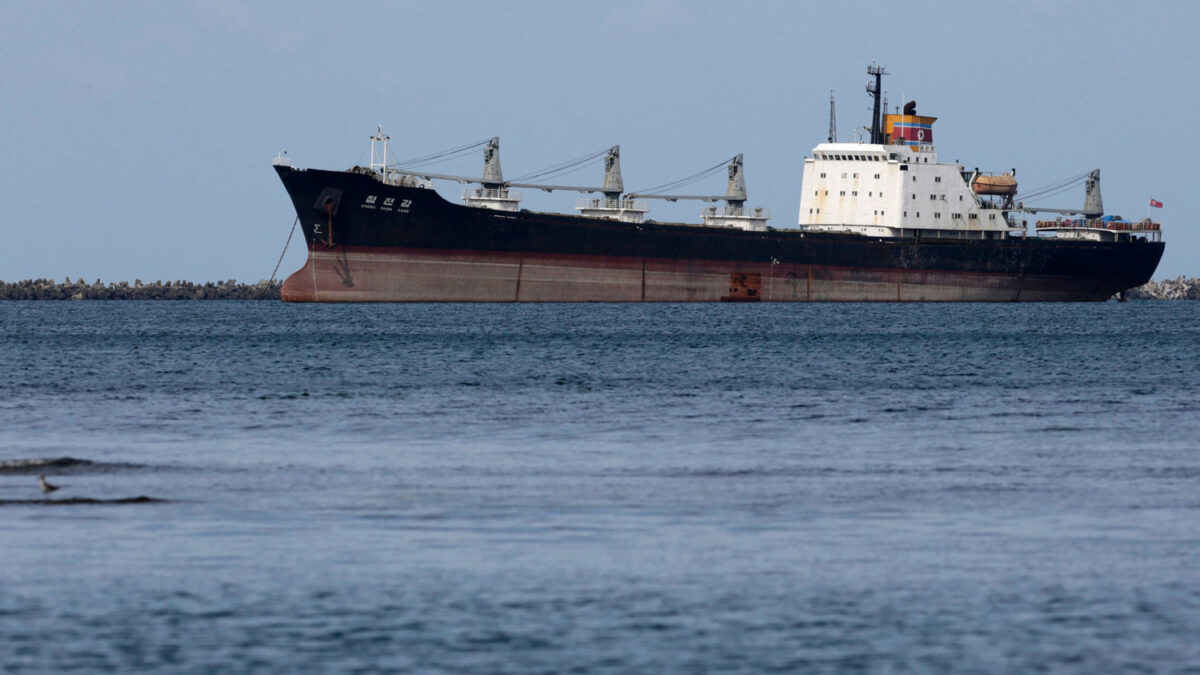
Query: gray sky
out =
(138, 137)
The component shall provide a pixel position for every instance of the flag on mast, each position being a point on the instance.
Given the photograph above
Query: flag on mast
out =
(1154, 203)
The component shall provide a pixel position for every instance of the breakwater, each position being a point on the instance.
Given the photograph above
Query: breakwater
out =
(49, 289)
(1179, 288)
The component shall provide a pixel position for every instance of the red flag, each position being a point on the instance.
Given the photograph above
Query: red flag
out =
(1155, 203)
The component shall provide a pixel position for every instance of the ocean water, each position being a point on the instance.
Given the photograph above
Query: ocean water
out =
(600, 488)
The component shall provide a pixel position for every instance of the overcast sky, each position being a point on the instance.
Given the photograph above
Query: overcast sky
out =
(138, 137)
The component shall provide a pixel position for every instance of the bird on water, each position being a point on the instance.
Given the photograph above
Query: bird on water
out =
(47, 488)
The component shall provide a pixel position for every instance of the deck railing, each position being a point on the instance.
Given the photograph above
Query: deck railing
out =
(1113, 225)
(492, 193)
(735, 212)
(602, 203)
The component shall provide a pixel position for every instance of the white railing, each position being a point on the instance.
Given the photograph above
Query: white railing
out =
(735, 212)
(1112, 225)
(602, 203)
(492, 193)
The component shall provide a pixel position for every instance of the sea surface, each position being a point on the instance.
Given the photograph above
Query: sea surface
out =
(600, 488)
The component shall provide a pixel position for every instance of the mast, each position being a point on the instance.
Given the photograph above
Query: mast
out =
(832, 120)
(876, 90)
(382, 164)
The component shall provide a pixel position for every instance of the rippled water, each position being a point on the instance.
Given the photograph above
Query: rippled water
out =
(600, 488)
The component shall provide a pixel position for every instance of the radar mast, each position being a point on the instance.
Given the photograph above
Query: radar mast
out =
(875, 89)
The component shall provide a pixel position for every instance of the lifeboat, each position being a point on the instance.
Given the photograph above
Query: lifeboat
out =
(1003, 184)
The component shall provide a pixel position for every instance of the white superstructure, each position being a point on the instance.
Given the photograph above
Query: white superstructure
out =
(896, 190)
(894, 186)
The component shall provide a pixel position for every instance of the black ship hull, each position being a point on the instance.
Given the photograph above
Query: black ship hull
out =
(372, 241)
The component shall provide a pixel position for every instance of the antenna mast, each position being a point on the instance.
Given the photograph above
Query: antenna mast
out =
(876, 90)
(832, 119)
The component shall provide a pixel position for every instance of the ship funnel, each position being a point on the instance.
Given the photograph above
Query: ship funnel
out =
(910, 108)
(613, 185)
(1093, 204)
(735, 194)
(492, 176)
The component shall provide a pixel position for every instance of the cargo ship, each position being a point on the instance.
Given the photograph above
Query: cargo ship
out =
(879, 220)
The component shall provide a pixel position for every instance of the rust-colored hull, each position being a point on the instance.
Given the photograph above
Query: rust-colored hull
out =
(342, 274)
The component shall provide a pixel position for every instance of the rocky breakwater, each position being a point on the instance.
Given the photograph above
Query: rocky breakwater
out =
(49, 289)
(1180, 288)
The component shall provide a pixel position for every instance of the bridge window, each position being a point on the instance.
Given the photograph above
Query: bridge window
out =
(937, 179)
(972, 216)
